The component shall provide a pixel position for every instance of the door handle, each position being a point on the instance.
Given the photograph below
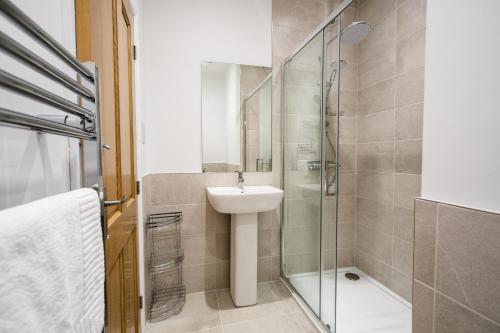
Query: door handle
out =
(115, 202)
(105, 146)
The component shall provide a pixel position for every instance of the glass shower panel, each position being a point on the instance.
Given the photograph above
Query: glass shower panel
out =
(302, 155)
(331, 76)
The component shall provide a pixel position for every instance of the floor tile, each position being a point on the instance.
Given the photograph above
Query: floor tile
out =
(200, 313)
(270, 302)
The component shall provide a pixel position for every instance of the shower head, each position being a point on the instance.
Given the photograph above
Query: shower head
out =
(355, 32)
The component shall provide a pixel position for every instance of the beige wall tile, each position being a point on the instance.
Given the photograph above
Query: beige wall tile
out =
(177, 189)
(403, 256)
(377, 53)
(468, 261)
(409, 122)
(275, 242)
(376, 10)
(409, 156)
(346, 209)
(347, 183)
(425, 241)
(375, 186)
(402, 285)
(422, 310)
(451, 317)
(275, 268)
(411, 52)
(301, 263)
(374, 267)
(376, 127)
(305, 15)
(264, 243)
(411, 17)
(376, 157)
(410, 87)
(345, 257)
(286, 39)
(349, 74)
(199, 249)
(302, 239)
(264, 220)
(379, 97)
(264, 269)
(222, 222)
(222, 275)
(347, 156)
(222, 247)
(347, 132)
(199, 277)
(382, 38)
(345, 235)
(407, 188)
(378, 68)
(375, 215)
(377, 244)
(404, 223)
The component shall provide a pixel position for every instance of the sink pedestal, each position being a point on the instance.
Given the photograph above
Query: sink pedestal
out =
(244, 259)
(243, 205)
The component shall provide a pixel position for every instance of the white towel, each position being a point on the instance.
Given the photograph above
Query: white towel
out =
(52, 265)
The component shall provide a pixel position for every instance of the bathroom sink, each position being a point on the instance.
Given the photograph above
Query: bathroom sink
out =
(243, 204)
(252, 199)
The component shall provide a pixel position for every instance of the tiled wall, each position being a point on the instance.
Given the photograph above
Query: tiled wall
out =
(457, 269)
(389, 139)
(347, 142)
(205, 232)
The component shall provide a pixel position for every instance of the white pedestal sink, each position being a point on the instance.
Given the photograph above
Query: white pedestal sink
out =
(243, 205)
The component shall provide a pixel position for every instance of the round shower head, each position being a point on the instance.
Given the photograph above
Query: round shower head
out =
(355, 32)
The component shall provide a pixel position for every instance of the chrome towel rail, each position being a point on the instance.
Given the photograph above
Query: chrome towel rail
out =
(78, 120)
(37, 63)
(34, 30)
(28, 89)
(14, 118)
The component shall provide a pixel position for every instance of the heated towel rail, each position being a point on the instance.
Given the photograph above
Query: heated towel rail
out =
(84, 123)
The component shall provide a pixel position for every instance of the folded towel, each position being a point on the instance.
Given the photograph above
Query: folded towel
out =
(52, 265)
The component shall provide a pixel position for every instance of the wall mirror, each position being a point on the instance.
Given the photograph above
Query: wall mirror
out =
(236, 117)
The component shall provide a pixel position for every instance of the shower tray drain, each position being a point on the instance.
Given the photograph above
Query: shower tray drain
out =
(352, 276)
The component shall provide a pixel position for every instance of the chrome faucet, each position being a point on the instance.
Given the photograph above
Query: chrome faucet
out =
(240, 180)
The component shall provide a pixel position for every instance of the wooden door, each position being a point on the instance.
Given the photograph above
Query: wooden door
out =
(104, 35)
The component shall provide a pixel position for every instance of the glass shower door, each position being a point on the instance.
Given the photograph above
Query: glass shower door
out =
(302, 152)
(310, 122)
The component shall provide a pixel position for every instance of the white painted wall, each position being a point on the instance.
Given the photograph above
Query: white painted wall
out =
(177, 35)
(34, 165)
(214, 102)
(461, 149)
(220, 103)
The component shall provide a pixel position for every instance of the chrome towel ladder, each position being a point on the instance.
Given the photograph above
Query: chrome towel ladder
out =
(80, 120)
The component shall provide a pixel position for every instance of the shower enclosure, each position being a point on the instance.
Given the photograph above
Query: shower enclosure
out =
(337, 246)
(310, 169)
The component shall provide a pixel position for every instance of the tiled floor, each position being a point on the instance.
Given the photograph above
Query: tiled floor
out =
(213, 312)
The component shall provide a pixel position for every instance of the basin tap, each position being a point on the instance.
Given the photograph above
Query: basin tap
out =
(240, 180)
